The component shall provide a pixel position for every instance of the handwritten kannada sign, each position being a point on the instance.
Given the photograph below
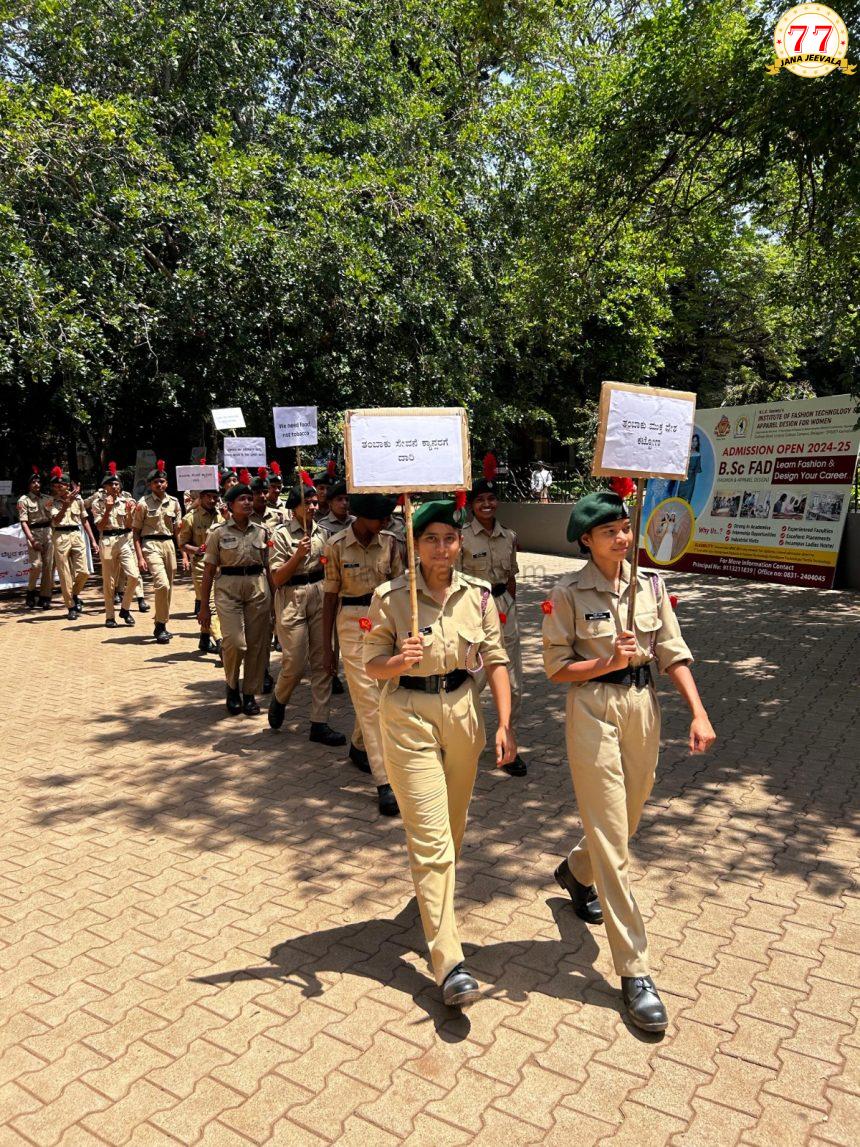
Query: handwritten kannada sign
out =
(400, 450)
(644, 431)
(228, 418)
(244, 451)
(197, 477)
(295, 425)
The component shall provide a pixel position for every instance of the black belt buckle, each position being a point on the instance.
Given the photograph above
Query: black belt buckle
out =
(433, 683)
(641, 675)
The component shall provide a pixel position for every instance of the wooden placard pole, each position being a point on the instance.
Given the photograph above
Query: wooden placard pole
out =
(410, 557)
(309, 514)
(634, 558)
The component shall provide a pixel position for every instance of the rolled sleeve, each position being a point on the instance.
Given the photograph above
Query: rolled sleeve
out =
(559, 628)
(670, 648)
(333, 580)
(281, 550)
(185, 530)
(212, 556)
(139, 515)
(515, 565)
(492, 646)
(381, 639)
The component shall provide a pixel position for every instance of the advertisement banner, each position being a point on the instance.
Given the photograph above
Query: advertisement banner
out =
(15, 558)
(766, 494)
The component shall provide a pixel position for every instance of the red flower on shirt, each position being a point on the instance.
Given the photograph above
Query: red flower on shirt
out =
(546, 606)
(673, 600)
(503, 617)
(323, 561)
(270, 543)
(202, 548)
(365, 624)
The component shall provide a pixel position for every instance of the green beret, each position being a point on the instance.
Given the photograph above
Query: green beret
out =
(236, 492)
(376, 507)
(484, 486)
(337, 490)
(224, 474)
(595, 510)
(259, 485)
(294, 498)
(445, 511)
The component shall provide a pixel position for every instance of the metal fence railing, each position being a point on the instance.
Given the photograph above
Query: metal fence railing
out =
(568, 484)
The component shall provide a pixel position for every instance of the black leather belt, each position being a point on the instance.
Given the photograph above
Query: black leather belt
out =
(633, 675)
(38, 525)
(113, 533)
(241, 571)
(436, 683)
(365, 599)
(63, 529)
(306, 579)
(156, 537)
(499, 588)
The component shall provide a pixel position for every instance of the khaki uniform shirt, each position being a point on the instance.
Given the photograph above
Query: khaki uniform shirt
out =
(271, 518)
(285, 543)
(587, 615)
(195, 526)
(75, 514)
(397, 526)
(118, 518)
(32, 510)
(152, 516)
(354, 570)
(489, 556)
(332, 526)
(454, 634)
(227, 545)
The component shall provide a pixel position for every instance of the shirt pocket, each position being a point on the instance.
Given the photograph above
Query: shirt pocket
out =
(648, 624)
(469, 651)
(228, 543)
(590, 628)
(477, 564)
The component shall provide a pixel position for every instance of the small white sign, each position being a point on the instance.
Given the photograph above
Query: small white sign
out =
(5, 485)
(644, 431)
(395, 450)
(244, 451)
(197, 477)
(295, 425)
(144, 462)
(229, 418)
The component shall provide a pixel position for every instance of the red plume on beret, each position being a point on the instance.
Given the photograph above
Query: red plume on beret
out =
(56, 472)
(202, 461)
(401, 501)
(305, 477)
(244, 477)
(35, 468)
(331, 467)
(111, 467)
(159, 465)
(275, 469)
(491, 466)
(623, 487)
(460, 499)
(262, 472)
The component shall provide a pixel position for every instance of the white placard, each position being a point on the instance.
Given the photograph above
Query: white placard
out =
(244, 451)
(229, 418)
(295, 425)
(644, 431)
(197, 477)
(15, 558)
(5, 485)
(395, 450)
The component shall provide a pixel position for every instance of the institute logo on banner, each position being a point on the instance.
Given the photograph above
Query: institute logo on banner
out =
(723, 427)
(811, 40)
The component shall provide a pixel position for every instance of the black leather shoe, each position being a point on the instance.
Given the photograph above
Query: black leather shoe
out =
(459, 989)
(359, 758)
(388, 805)
(234, 701)
(644, 1007)
(30, 600)
(79, 605)
(336, 686)
(517, 767)
(162, 637)
(277, 710)
(268, 683)
(249, 705)
(72, 615)
(324, 734)
(45, 602)
(126, 616)
(584, 896)
(110, 623)
(205, 643)
(117, 599)
(142, 605)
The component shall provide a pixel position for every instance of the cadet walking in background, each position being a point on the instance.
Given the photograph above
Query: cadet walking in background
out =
(236, 561)
(35, 521)
(358, 559)
(297, 576)
(68, 515)
(276, 485)
(338, 516)
(264, 513)
(432, 726)
(613, 727)
(156, 527)
(114, 517)
(193, 531)
(490, 553)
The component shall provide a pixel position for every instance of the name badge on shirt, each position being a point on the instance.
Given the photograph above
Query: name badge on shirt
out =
(482, 554)
(604, 615)
(351, 565)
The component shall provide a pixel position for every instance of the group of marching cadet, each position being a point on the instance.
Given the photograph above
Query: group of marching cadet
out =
(320, 575)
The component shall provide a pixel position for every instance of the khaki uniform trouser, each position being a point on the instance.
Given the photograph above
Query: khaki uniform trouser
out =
(511, 638)
(363, 690)
(214, 629)
(41, 562)
(613, 740)
(244, 608)
(432, 743)
(117, 556)
(161, 559)
(70, 560)
(298, 620)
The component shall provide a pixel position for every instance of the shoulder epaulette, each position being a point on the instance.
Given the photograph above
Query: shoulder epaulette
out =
(568, 579)
(470, 579)
(388, 587)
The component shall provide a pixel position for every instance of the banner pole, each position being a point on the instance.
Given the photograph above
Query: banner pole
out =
(410, 557)
(634, 559)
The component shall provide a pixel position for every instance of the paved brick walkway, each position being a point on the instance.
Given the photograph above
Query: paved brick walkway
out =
(208, 935)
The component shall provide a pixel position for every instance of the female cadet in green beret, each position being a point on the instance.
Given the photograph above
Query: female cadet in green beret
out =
(432, 728)
(613, 727)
